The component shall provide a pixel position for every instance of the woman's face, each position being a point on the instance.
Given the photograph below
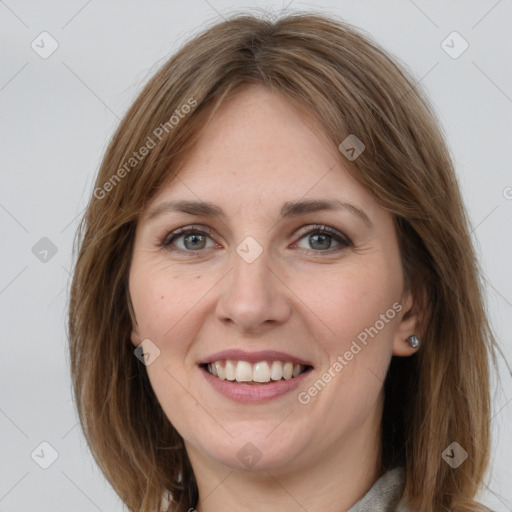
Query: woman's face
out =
(250, 283)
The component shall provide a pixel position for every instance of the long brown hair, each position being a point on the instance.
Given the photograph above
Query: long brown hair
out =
(331, 71)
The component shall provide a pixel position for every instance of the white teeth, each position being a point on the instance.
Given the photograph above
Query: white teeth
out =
(221, 373)
(288, 370)
(243, 371)
(276, 372)
(230, 370)
(261, 372)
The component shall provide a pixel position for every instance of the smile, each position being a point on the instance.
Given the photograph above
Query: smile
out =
(261, 372)
(261, 381)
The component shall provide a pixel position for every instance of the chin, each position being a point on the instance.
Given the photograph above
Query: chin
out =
(252, 451)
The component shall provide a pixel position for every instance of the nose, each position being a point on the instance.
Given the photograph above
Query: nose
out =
(254, 297)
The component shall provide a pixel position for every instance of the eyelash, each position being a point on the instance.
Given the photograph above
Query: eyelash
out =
(203, 230)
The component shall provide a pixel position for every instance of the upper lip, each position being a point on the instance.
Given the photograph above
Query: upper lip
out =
(253, 357)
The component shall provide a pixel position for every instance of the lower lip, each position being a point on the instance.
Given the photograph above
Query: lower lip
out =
(251, 393)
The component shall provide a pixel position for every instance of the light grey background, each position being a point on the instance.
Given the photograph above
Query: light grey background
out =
(57, 115)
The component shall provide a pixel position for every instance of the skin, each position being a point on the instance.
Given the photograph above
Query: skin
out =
(298, 296)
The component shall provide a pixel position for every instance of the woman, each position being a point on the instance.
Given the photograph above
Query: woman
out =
(276, 303)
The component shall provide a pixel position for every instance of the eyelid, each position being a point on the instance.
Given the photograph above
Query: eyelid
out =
(195, 228)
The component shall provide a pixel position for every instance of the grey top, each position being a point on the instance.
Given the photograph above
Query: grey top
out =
(385, 494)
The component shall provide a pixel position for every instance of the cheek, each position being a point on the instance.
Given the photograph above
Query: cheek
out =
(355, 321)
(162, 297)
(169, 383)
(347, 301)
(161, 313)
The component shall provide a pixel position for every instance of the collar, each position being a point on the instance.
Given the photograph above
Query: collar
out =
(385, 494)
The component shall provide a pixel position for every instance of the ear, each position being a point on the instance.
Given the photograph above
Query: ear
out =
(414, 317)
(135, 334)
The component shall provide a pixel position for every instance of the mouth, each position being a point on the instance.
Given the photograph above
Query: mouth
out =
(259, 373)
(256, 376)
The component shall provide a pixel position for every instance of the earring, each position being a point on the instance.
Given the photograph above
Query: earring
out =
(413, 341)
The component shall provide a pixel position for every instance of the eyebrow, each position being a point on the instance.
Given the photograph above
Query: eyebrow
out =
(289, 209)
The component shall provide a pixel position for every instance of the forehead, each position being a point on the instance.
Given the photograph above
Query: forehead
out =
(258, 149)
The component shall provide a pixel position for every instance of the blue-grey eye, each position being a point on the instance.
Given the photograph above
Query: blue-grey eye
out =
(192, 240)
(321, 238)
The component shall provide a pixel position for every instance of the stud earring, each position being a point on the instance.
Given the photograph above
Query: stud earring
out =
(413, 341)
